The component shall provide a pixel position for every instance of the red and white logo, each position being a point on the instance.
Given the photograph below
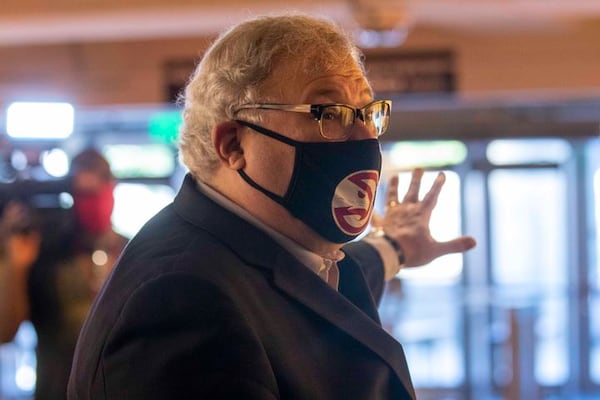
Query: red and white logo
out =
(353, 200)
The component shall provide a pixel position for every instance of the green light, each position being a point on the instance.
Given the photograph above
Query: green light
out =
(426, 154)
(163, 127)
(154, 160)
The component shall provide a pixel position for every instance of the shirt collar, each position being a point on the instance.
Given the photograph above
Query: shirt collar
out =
(312, 260)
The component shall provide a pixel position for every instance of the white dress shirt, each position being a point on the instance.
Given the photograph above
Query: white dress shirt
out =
(326, 268)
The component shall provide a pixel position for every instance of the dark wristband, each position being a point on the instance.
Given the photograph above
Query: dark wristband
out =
(397, 248)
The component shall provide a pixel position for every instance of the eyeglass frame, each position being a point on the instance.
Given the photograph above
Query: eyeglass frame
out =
(317, 112)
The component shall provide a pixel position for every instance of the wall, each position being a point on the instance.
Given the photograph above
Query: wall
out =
(98, 73)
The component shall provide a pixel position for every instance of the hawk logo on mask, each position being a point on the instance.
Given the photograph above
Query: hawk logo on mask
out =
(353, 201)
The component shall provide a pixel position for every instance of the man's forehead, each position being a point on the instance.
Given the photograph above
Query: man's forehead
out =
(289, 78)
(329, 84)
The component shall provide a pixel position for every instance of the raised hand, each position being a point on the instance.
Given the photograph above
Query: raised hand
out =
(407, 222)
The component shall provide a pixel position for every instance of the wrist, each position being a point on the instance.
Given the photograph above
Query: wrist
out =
(397, 248)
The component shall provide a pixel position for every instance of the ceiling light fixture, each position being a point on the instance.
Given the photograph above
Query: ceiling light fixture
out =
(382, 23)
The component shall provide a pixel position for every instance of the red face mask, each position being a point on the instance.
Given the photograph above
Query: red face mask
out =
(94, 210)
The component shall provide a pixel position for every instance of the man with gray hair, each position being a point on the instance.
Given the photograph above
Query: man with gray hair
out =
(245, 287)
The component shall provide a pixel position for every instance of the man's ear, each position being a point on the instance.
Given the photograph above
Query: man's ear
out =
(226, 140)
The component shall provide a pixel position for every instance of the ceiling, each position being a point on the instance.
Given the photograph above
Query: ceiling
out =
(26, 22)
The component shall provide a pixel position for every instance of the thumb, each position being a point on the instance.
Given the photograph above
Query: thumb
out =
(458, 245)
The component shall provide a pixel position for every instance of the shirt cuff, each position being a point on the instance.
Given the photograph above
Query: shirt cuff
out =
(391, 265)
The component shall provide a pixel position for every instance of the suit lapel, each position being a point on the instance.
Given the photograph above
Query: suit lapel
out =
(304, 286)
(290, 276)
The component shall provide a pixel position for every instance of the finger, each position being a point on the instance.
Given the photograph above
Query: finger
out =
(391, 195)
(412, 194)
(430, 199)
(458, 245)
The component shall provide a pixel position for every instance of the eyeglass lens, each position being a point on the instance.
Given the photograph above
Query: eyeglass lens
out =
(337, 120)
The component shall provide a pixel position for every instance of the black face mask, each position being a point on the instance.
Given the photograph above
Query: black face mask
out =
(333, 184)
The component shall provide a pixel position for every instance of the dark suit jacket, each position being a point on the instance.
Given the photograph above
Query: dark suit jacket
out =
(203, 305)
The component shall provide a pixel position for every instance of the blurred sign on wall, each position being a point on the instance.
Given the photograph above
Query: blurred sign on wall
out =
(390, 72)
(404, 72)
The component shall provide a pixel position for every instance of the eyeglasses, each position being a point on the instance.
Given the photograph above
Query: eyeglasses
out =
(336, 120)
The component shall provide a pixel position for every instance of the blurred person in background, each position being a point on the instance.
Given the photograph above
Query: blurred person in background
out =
(245, 287)
(50, 274)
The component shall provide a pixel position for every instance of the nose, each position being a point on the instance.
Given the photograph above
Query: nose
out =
(361, 131)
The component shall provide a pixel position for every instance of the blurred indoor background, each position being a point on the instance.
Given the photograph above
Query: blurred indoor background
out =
(503, 95)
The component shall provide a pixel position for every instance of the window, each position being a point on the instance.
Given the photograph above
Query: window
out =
(435, 356)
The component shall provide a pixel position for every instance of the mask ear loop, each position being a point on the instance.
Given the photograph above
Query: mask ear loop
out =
(268, 132)
(268, 193)
(297, 159)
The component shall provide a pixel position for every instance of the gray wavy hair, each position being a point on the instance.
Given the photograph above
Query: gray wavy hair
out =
(233, 68)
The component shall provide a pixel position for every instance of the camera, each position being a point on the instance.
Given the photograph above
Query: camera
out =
(44, 201)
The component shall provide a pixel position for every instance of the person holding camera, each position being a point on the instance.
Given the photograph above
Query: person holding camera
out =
(50, 274)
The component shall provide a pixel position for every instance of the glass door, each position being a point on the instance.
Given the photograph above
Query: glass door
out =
(422, 307)
(593, 157)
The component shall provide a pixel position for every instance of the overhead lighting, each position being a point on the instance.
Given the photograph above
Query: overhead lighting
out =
(39, 120)
(382, 23)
